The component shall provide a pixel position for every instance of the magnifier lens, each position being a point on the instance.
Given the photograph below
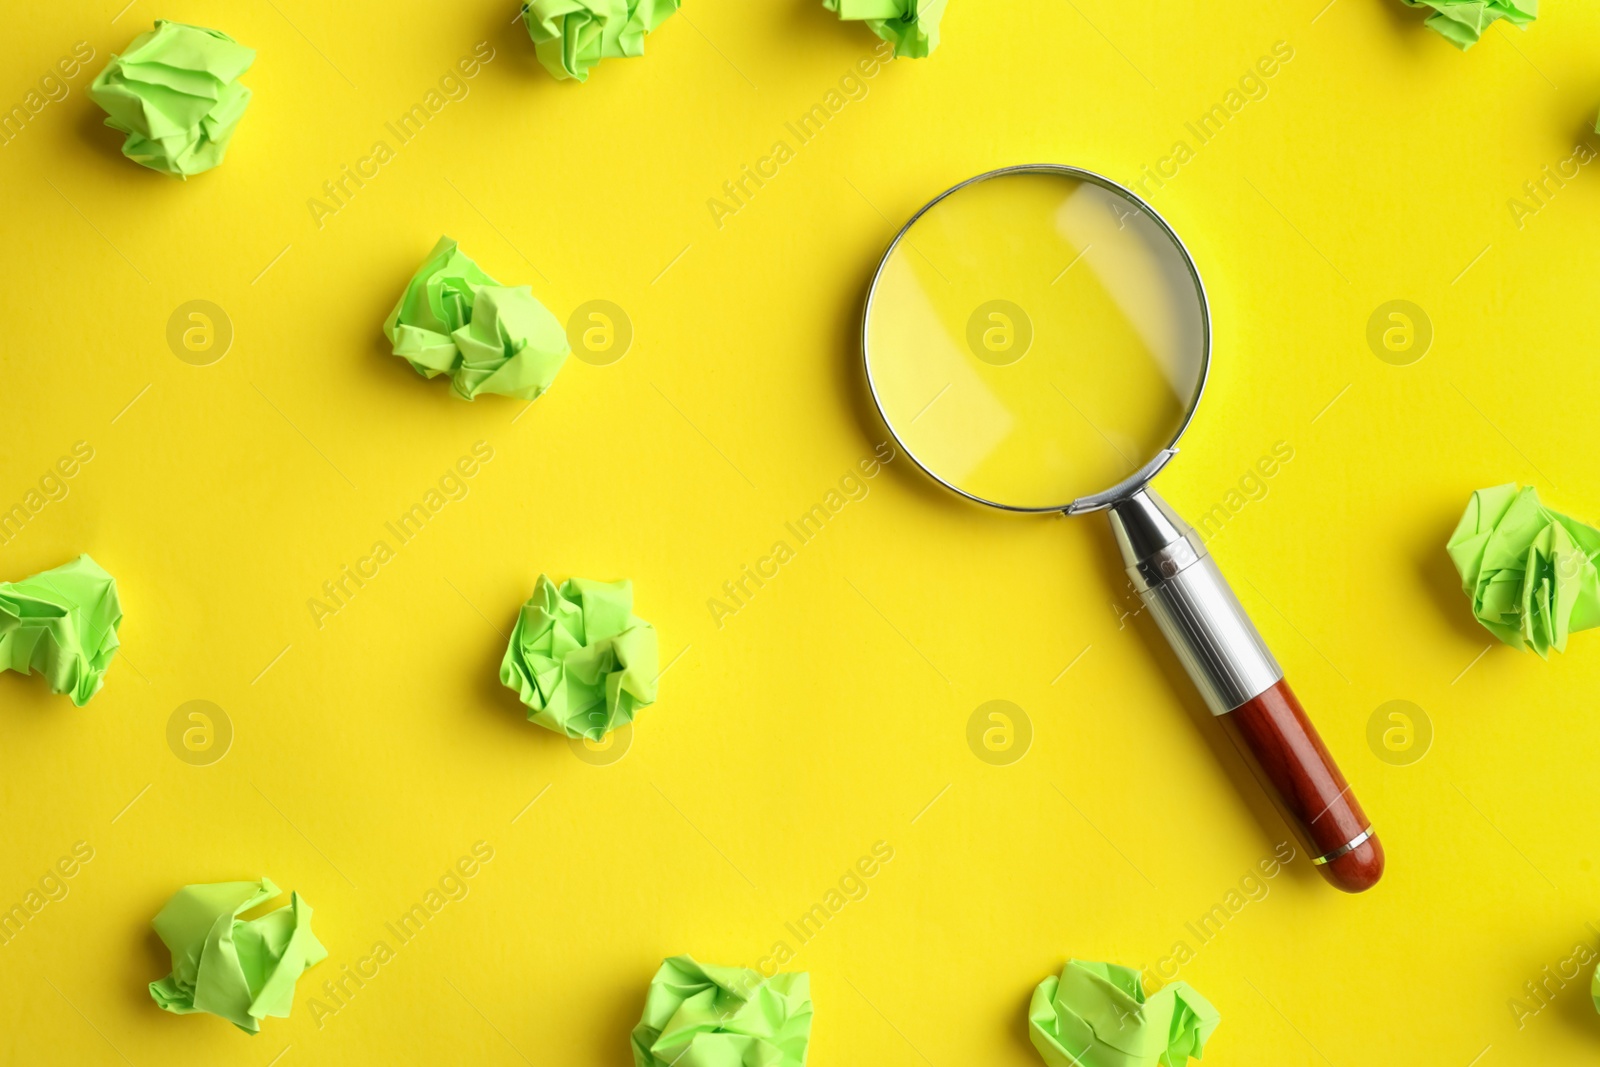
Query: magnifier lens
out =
(1035, 337)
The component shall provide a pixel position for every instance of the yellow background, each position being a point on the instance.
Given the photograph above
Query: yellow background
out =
(829, 712)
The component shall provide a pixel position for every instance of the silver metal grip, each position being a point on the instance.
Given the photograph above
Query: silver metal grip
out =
(1192, 603)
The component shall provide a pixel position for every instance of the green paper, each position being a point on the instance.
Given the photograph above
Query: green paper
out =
(490, 338)
(570, 36)
(1530, 571)
(579, 658)
(912, 26)
(175, 93)
(239, 970)
(1462, 22)
(1097, 1015)
(63, 624)
(702, 1016)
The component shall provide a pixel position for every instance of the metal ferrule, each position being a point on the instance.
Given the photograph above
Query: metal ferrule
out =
(1349, 846)
(1192, 603)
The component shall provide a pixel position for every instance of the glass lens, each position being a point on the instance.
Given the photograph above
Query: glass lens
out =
(1035, 337)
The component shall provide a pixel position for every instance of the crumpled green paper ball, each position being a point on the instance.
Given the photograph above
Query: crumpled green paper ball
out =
(490, 338)
(62, 623)
(1097, 1015)
(702, 1016)
(579, 659)
(1462, 22)
(570, 36)
(912, 26)
(175, 93)
(1530, 571)
(239, 970)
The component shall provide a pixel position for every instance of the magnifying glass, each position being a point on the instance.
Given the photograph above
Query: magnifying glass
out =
(1037, 339)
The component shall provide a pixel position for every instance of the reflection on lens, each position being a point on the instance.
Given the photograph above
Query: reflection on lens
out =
(1035, 337)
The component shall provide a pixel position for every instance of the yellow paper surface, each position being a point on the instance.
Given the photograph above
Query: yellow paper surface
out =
(831, 709)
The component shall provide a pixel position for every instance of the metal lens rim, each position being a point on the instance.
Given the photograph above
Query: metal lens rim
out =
(1078, 173)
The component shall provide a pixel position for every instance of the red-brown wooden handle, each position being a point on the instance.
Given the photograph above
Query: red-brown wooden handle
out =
(1283, 749)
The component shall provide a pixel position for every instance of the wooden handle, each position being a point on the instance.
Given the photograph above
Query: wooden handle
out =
(1282, 747)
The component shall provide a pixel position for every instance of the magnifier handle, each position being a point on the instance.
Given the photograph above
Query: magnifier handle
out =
(1282, 747)
(1244, 687)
